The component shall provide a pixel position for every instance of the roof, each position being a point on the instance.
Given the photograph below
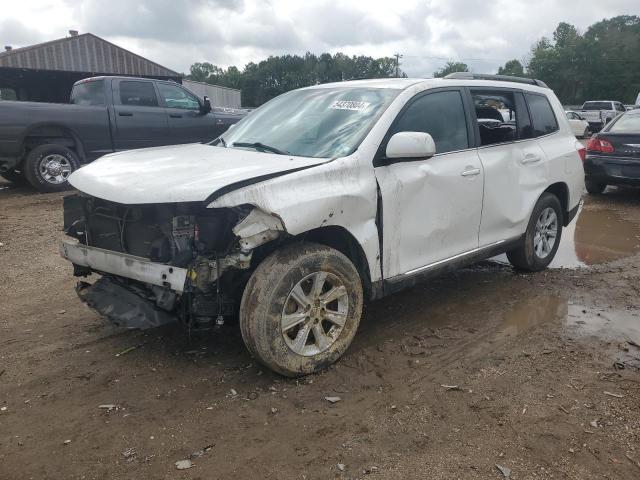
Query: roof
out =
(83, 53)
(403, 83)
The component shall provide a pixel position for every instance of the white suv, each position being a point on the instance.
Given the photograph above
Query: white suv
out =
(320, 199)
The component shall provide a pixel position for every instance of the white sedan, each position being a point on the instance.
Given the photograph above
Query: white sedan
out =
(579, 126)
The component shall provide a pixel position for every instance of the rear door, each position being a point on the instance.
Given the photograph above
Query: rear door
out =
(431, 207)
(140, 120)
(514, 164)
(186, 122)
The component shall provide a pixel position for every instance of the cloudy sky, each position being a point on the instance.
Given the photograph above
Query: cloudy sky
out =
(177, 33)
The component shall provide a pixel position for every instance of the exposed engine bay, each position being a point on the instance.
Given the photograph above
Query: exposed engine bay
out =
(164, 262)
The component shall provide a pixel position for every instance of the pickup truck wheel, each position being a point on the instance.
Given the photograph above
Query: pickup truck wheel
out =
(47, 167)
(542, 237)
(593, 187)
(301, 308)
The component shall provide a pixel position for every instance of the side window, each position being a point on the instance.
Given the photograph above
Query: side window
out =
(542, 116)
(440, 114)
(141, 94)
(176, 97)
(620, 107)
(501, 116)
(571, 116)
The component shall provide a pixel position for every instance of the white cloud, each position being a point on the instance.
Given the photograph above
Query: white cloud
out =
(177, 33)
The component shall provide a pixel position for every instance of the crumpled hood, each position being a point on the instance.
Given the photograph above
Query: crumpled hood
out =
(180, 173)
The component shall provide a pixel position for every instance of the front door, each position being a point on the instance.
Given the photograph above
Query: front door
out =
(186, 123)
(431, 208)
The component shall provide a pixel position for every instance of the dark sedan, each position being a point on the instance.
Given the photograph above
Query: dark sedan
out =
(613, 155)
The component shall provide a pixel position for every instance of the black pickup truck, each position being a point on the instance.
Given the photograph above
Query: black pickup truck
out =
(44, 143)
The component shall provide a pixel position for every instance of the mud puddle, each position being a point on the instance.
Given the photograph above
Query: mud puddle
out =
(611, 325)
(593, 238)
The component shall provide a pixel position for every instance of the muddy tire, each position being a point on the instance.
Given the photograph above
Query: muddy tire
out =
(14, 177)
(301, 308)
(542, 237)
(47, 167)
(594, 188)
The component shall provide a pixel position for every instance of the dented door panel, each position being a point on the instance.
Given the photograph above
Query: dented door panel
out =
(430, 210)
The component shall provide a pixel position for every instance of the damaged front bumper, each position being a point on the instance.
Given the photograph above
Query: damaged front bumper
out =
(124, 265)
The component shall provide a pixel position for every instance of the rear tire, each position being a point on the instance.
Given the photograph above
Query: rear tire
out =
(542, 238)
(593, 187)
(301, 308)
(47, 167)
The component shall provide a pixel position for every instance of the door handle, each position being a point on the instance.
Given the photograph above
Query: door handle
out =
(175, 115)
(471, 172)
(125, 114)
(531, 158)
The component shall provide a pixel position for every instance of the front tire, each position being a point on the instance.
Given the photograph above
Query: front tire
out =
(301, 308)
(47, 167)
(542, 238)
(593, 187)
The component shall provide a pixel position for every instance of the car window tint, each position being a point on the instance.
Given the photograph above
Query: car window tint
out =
(141, 94)
(542, 116)
(439, 114)
(88, 93)
(176, 97)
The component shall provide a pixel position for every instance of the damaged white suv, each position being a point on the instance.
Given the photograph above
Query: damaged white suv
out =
(319, 200)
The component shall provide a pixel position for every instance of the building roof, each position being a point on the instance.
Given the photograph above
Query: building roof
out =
(83, 53)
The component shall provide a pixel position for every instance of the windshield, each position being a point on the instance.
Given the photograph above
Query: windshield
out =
(597, 106)
(626, 124)
(317, 122)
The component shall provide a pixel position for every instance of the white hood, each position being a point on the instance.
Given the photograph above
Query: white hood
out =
(181, 173)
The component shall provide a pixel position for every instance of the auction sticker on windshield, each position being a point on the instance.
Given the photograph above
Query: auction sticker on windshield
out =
(349, 105)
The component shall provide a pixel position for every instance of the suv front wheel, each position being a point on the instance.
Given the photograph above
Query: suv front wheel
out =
(542, 238)
(301, 308)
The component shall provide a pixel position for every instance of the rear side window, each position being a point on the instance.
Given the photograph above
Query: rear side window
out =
(441, 115)
(141, 94)
(88, 93)
(542, 116)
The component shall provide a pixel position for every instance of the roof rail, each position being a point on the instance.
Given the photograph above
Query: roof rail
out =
(501, 78)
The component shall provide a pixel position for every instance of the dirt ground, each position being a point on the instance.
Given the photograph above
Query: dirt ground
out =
(485, 367)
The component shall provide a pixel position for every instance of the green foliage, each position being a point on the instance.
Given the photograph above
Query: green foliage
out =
(269, 78)
(601, 64)
(451, 67)
(513, 68)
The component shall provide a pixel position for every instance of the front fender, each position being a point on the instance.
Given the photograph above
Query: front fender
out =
(341, 193)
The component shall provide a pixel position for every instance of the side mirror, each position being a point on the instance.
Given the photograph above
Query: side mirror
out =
(411, 145)
(205, 107)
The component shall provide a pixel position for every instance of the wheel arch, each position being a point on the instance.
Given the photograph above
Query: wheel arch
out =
(561, 191)
(52, 133)
(340, 239)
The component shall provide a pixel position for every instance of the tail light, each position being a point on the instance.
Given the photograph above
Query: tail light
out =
(600, 145)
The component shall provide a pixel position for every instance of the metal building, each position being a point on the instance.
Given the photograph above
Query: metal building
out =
(46, 72)
(219, 96)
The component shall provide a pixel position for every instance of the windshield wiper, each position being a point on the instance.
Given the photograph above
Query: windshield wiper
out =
(260, 146)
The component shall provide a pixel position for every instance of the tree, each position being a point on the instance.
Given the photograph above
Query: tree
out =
(451, 67)
(513, 68)
(601, 63)
(268, 78)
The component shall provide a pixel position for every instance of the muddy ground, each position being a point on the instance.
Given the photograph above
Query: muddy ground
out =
(544, 367)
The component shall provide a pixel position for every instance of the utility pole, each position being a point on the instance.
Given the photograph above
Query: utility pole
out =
(398, 57)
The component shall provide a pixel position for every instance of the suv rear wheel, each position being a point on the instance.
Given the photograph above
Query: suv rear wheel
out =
(301, 308)
(47, 167)
(542, 237)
